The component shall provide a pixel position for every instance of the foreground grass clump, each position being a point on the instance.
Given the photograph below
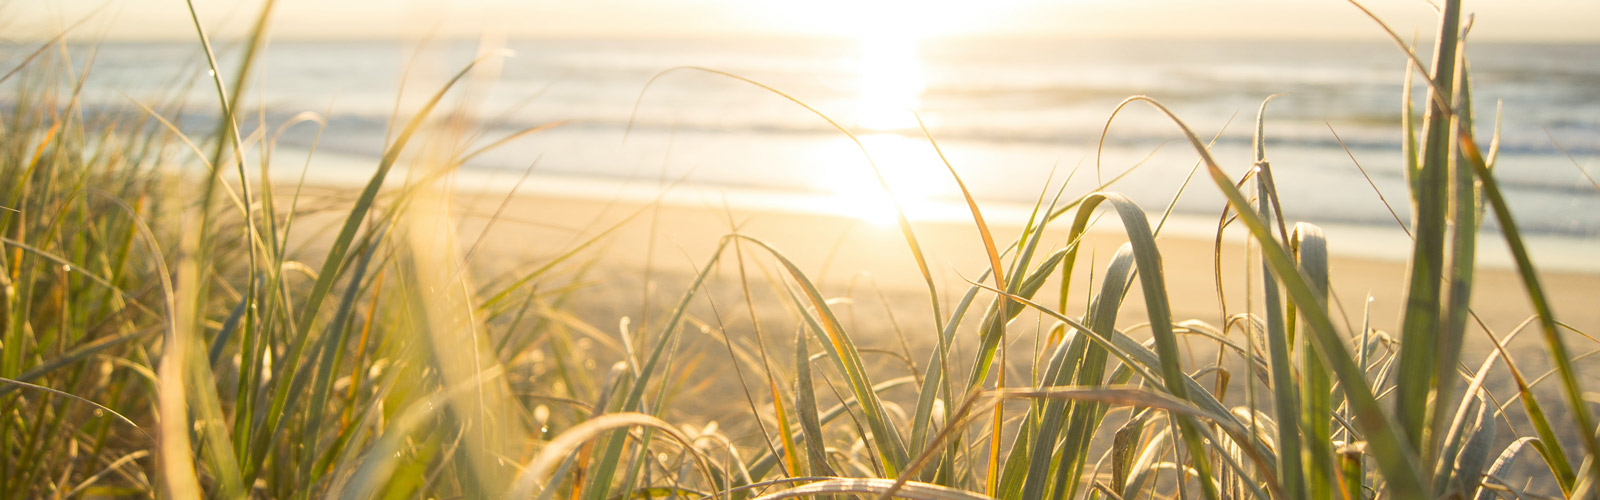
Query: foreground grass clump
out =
(80, 300)
(167, 339)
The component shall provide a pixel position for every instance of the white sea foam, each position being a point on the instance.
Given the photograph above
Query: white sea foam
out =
(1007, 115)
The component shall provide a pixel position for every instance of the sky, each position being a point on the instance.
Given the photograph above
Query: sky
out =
(1524, 20)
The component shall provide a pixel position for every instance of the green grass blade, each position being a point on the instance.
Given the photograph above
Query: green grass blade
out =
(1465, 208)
(556, 451)
(331, 269)
(1148, 261)
(605, 469)
(1420, 321)
(997, 271)
(1398, 462)
(842, 350)
(1310, 249)
(936, 378)
(78, 354)
(1001, 312)
(377, 467)
(97, 406)
(1352, 472)
(1502, 464)
(1014, 467)
(1079, 363)
(1566, 372)
(806, 408)
(1472, 453)
(1140, 360)
(1548, 444)
(766, 461)
(874, 486)
(329, 355)
(1178, 409)
(1286, 392)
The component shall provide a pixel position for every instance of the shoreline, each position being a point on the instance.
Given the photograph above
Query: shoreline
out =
(676, 233)
(1378, 242)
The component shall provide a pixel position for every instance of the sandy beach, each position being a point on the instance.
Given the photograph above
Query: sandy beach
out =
(661, 244)
(670, 238)
(711, 249)
(645, 263)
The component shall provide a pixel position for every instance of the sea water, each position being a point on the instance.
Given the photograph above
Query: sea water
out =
(1018, 120)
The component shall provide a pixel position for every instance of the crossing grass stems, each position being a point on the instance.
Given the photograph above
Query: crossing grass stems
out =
(158, 345)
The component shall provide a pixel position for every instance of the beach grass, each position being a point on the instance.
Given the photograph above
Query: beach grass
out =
(168, 333)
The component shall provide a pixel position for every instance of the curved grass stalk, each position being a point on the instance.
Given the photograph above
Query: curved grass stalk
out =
(1076, 362)
(1153, 285)
(873, 486)
(1398, 461)
(97, 406)
(610, 458)
(892, 449)
(1559, 354)
(272, 426)
(900, 214)
(1143, 361)
(557, 450)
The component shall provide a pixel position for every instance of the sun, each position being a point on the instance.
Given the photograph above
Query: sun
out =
(891, 81)
(889, 67)
(909, 166)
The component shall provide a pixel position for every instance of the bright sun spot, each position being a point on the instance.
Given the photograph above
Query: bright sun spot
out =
(890, 73)
(910, 167)
(891, 80)
(890, 84)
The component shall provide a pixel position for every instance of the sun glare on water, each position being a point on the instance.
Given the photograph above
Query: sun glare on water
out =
(890, 82)
(909, 166)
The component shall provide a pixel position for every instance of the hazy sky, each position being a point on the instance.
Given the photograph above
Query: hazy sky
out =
(293, 19)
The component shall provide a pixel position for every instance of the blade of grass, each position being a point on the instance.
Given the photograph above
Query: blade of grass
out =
(606, 467)
(84, 400)
(806, 407)
(1464, 209)
(332, 268)
(1364, 175)
(874, 486)
(1421, 321)
(1502, 463)
(900, 215)
(1157, 306)
(1075, 364)
(1559, 354)
(1310, 249)
(383, 455)
(1398, 462)
(558, 449)
(842, 350)
(785, 430)
(999, 283)
(1286, 394)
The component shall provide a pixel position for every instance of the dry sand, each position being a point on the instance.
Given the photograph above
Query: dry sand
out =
(674, 239)
(642, 264)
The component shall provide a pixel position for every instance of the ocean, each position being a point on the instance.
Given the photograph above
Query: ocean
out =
(1016, 119)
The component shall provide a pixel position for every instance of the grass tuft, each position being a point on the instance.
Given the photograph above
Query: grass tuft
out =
(157, 344)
